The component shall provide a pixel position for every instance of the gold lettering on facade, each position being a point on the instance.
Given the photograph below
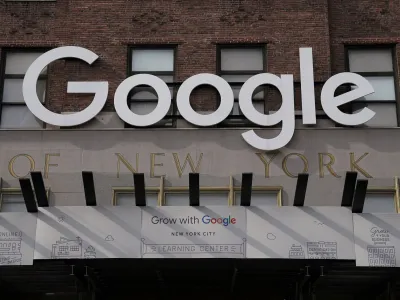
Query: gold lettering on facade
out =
(284, 164)
(187, 159)
(266, 162)
(153, 164)
(354, 164)
(327, 165)
(12, 161)
(126, 163)
(47, 163)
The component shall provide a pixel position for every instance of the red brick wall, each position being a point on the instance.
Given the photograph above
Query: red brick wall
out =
(109, 27)
(361, 22)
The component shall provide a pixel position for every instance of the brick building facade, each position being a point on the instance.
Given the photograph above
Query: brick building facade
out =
(109, 28)
(175, 39)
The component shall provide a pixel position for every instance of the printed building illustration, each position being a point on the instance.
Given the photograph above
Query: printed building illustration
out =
(65, 248)
(296, 252)
(381, 256)
(322, 250)
(10, 251)
(90, 252)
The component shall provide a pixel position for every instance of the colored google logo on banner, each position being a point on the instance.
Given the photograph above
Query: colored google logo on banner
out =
(223, 221)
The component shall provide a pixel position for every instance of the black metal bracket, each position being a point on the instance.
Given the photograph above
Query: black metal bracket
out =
(88, 186)
(359, 196)
(40, 190)
(140, 190)
(194, 189)
(349, 188)
(301, 189)
(246, 189)
(29, 196)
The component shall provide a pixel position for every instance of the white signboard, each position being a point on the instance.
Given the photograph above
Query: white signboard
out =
(377, 240)
(17, 238)
(300, 233)
(198, 232)
(79, 232)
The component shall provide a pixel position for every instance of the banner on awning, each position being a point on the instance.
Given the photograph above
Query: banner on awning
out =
(377, 240)
(17, 238)
(268, 232)
(300, 233)
(199, 232)
(88, 232)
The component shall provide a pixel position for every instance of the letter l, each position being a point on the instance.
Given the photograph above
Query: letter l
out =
(307, 86)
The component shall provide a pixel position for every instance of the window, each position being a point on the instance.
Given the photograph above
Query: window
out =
(126, 198)
(262, 196)
(207, 198)
(13, 111)
(236, 64)
(12, 202)
(158, 61)
(376, 65)
(209, 195)
(380, 201)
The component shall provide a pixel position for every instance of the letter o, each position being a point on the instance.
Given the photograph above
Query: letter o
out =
(163, 104)
(11, 165)
(285, 168)
(190, 115)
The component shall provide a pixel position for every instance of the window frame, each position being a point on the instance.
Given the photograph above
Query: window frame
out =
(242, 121)
(4, 76)
(386, 190)
(392, 48)
(17, 191)
(162, 191)
(203, 190)
(9, 192)
(174, 85)
(131, 191)
(260, 190)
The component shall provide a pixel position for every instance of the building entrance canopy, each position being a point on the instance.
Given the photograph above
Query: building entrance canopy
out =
(99, 230)
(200, 232)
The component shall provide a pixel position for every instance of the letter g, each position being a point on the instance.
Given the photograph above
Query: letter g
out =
(206, 219)
(285, 114)
(100, 89)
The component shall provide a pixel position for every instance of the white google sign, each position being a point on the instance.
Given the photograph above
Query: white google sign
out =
(284, 83)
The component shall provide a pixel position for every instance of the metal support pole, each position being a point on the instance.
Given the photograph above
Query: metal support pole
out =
(391, 290)
(235, 272)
